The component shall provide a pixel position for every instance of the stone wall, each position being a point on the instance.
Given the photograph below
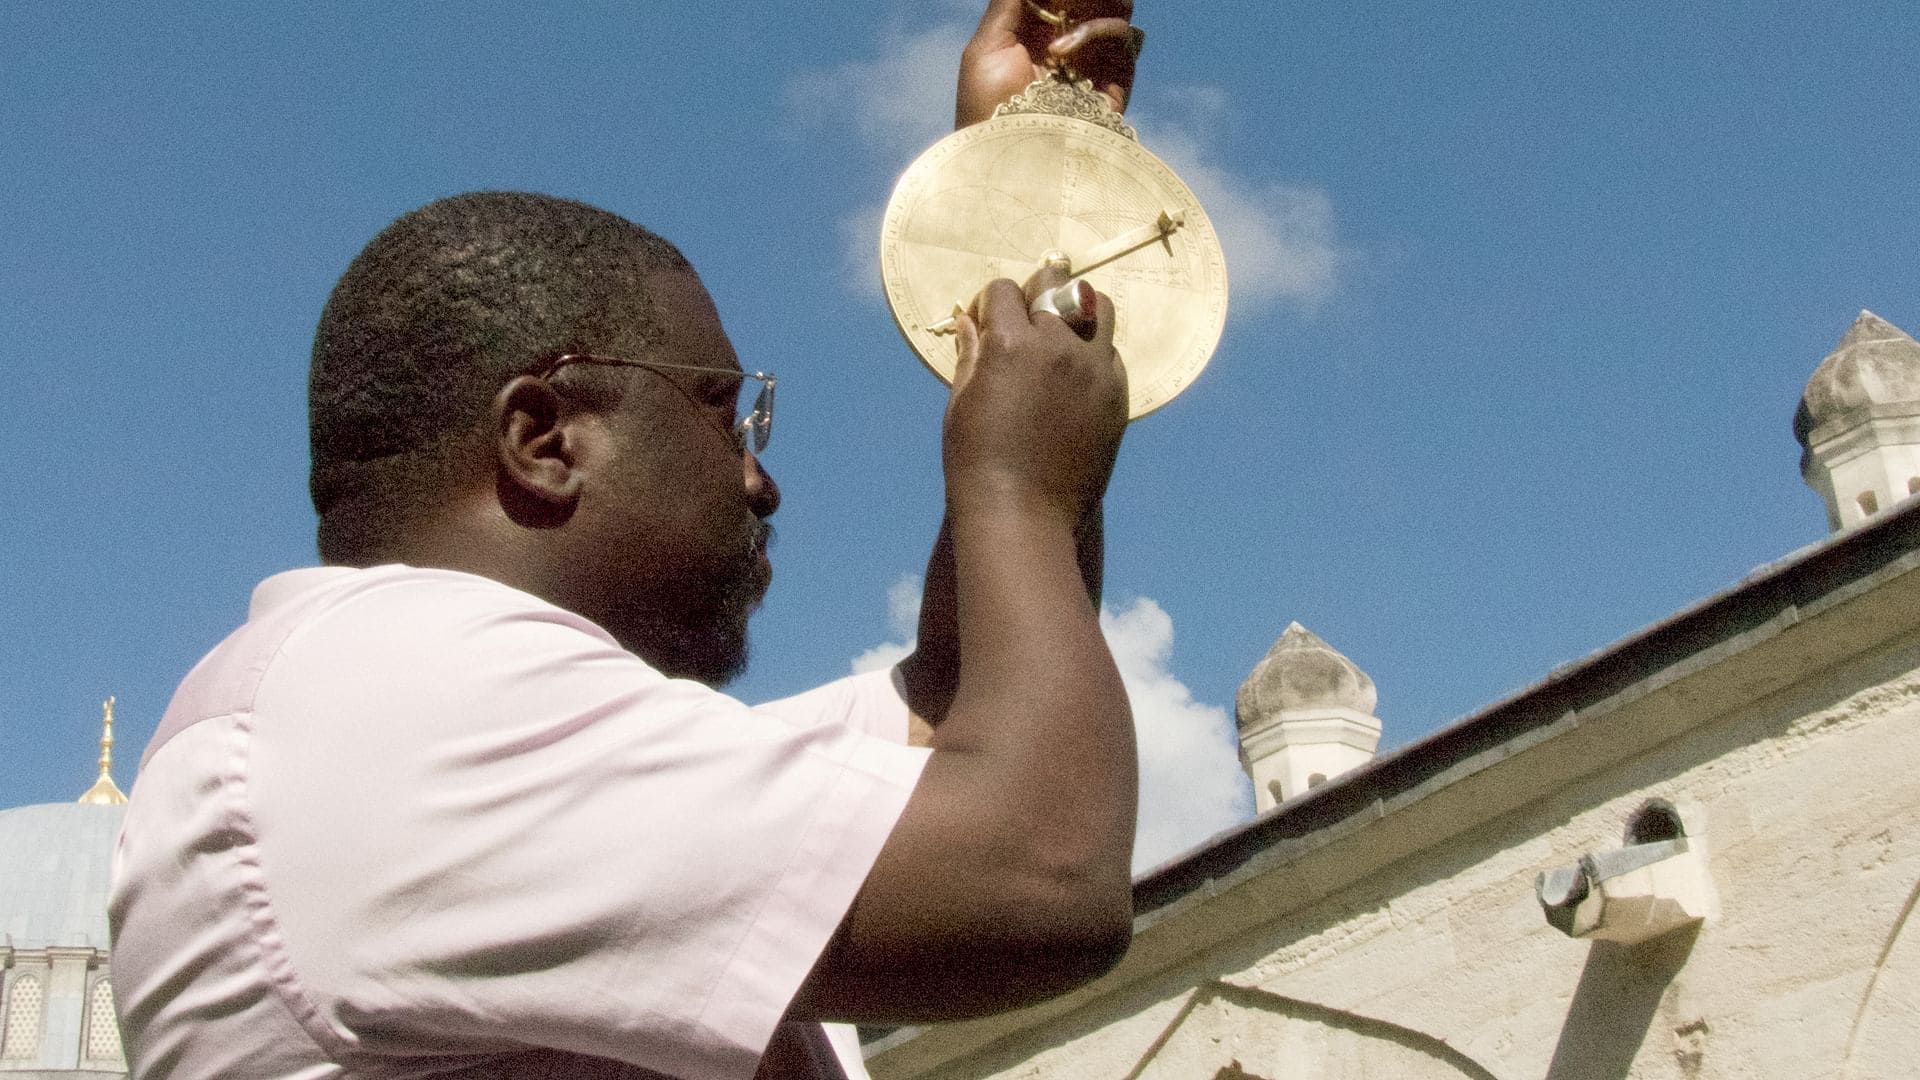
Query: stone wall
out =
(1408, 943)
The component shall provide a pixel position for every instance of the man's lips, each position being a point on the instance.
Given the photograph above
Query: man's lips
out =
(758, 543)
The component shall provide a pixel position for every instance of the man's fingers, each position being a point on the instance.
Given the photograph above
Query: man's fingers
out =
(1105, 323)
(1102, 32)
(1103, 50)
(1047, 277)
(1001, 301)
(1084, 21)
(1001, 17)
(1089, 10)
(1075, 303)
(967, 346)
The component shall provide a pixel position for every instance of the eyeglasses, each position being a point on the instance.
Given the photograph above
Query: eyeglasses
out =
(753, 423)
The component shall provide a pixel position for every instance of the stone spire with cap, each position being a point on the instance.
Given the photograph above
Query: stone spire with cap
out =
(1306, 716)
(104, 791)
(1859, 422)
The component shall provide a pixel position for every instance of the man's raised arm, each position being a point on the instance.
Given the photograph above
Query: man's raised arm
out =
(1007, 878)
(1013, 46)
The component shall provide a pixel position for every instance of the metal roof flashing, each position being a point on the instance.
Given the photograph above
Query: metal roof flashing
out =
(1761, 604)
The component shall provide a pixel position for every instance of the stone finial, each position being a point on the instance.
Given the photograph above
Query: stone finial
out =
(1875, 363)
(1859, 422)
(1306, 717)
(1303, 672)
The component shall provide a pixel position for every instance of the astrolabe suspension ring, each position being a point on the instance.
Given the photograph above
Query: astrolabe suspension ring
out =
(1056, 19)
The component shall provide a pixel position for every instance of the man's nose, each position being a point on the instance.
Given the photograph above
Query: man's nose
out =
(763, 495)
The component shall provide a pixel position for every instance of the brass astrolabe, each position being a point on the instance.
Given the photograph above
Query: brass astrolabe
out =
(1056, 177)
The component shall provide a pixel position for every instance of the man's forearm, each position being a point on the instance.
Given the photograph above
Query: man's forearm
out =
(932, 671)
(1019, 838)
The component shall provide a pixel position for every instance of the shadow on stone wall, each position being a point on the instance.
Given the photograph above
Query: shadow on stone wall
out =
(1880, 1041)
(1377, 1047)
(1614, 1005)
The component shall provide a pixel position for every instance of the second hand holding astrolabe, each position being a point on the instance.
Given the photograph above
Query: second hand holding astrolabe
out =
(1057, 178)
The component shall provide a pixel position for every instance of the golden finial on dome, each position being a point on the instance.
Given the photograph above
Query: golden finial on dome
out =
(104, 791)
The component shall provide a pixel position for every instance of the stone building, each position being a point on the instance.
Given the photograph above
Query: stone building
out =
(56, 988)
(1695, 853)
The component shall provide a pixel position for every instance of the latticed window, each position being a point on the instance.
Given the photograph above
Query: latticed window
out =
(103, 1034)
(25, 999)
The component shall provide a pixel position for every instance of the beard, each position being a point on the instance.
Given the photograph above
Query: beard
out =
(712, 647)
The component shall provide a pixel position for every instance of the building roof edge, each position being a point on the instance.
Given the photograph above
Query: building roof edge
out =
(1796, 581)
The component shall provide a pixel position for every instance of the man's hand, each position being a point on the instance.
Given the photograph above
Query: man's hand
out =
(932, 671)
(1014, 46)
(1037, 411)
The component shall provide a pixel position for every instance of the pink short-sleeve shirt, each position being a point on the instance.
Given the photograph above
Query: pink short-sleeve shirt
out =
(414, 822)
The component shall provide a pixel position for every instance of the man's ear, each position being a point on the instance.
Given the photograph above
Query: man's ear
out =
(537, 446)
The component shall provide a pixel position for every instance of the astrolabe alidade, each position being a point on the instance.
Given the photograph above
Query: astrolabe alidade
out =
(1056, 177)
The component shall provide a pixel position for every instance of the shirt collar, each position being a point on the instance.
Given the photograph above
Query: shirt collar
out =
(277, 590)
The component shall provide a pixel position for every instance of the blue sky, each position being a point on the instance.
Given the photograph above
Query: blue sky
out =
(1524, 298)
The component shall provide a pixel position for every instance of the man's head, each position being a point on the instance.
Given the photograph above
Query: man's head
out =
(443, 434)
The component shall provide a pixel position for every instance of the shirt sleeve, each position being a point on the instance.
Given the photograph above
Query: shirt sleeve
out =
(482, 824)
(873, 702)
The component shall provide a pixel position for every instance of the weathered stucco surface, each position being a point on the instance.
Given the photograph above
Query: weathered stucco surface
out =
(1408, 943)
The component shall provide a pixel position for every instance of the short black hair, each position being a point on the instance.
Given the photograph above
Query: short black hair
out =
(439, 310)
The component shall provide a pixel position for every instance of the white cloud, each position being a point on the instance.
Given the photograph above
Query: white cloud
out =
(903, 617)
(883, 655)
(1191, 785)
(860, 248)
(1282, 240)
(898, 103)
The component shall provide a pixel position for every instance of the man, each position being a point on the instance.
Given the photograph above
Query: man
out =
(461, 803)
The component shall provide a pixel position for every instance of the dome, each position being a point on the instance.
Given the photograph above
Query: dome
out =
(58, 859)
(1303, 672)
(1876, 363)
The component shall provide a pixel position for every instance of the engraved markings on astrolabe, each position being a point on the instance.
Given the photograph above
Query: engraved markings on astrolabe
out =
(1090, 223)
